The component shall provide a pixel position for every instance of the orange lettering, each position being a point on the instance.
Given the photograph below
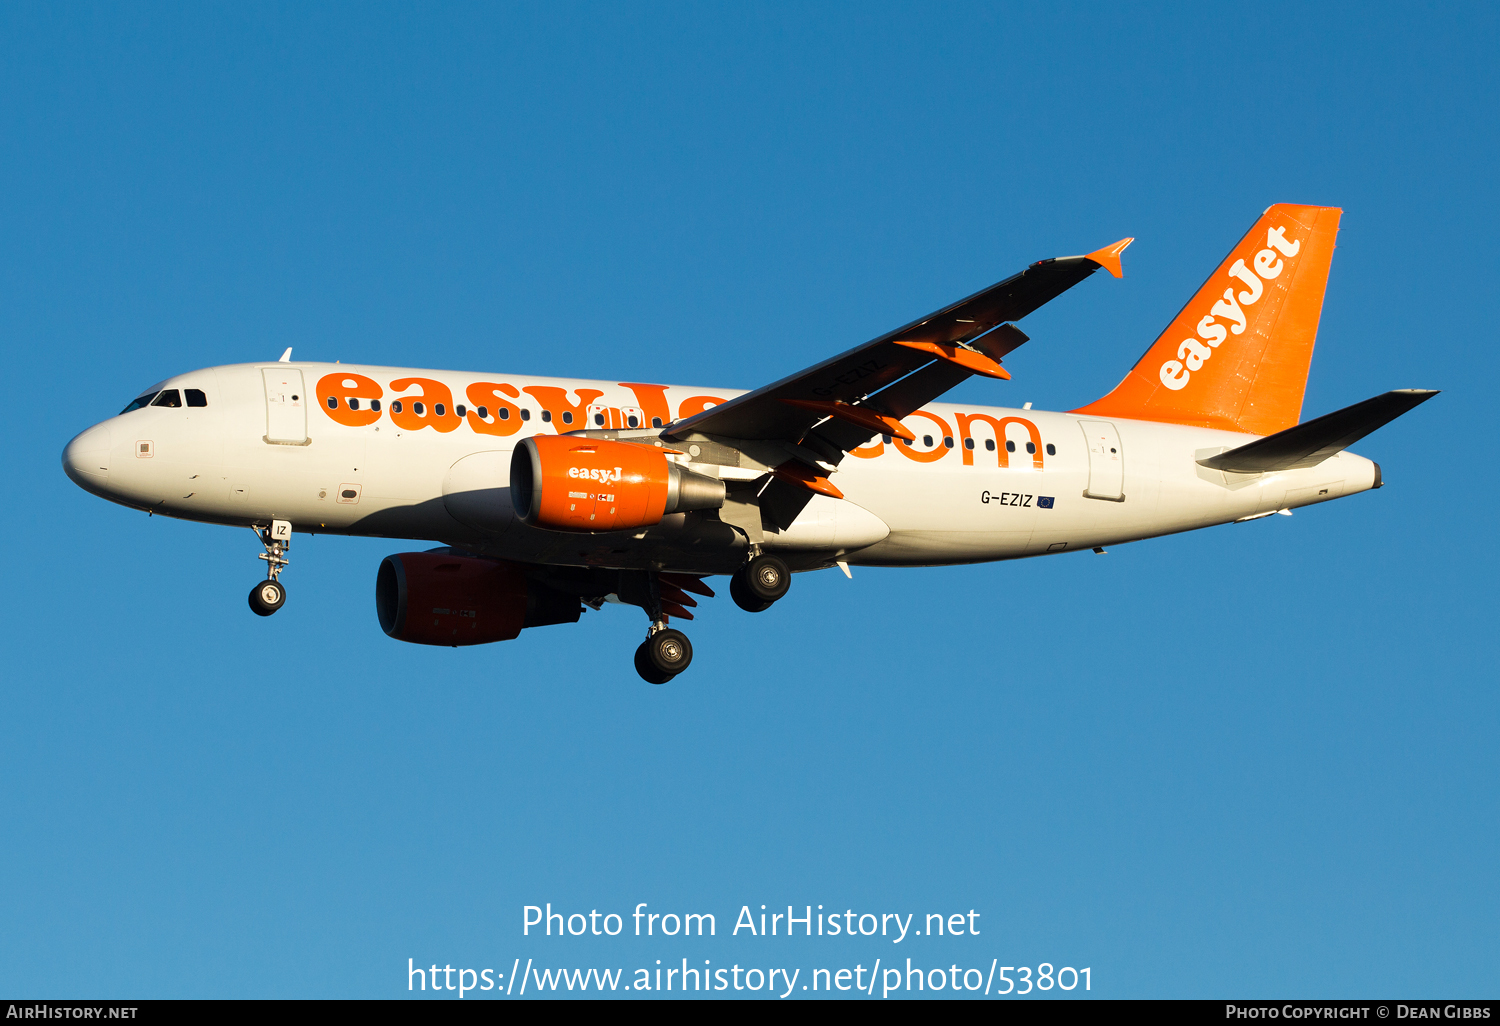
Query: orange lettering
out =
(937, 452)
(566, 416)
(695, 405)
(434, 395)
(998, 426)
(653, 402)
(490, 395)
(335, 390)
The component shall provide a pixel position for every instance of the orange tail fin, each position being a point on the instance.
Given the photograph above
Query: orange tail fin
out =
(1237, 355)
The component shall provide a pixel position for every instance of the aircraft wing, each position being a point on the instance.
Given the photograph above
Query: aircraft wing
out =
(859, 391)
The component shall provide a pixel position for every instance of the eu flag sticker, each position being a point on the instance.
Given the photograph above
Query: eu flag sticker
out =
(1044, 502)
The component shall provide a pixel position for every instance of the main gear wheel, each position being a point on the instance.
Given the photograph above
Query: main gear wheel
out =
(759, 583)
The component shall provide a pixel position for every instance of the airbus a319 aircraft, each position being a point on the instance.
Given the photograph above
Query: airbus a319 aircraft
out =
(552, 495)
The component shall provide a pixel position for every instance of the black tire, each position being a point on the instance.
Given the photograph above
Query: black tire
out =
(767, 578)
(267, 597)
(649, 673)
(669, 651)
(742, 597)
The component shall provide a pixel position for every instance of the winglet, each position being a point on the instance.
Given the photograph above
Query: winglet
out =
(286, 357)
(1109, 257)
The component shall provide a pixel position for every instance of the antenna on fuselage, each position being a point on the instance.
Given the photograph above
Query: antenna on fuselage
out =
(286, 357)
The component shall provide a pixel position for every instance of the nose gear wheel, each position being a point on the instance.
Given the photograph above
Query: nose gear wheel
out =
(267, 597)
(270, 595)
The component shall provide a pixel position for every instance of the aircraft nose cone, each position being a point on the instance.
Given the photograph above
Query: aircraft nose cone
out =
(86, 458)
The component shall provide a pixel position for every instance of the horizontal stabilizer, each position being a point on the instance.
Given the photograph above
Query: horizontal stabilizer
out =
(1309, 444)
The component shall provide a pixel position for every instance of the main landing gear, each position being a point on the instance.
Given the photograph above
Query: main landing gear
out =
(269, 595)
(666, 652)
(663, 655)
(759, 583)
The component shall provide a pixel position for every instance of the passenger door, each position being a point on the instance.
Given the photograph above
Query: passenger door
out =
(286, 406)
(1106, 461)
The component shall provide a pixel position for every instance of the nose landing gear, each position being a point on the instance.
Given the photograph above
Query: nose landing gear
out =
(269, 595)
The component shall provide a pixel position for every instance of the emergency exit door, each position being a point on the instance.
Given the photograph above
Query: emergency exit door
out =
(286, 406)
(1106, 461)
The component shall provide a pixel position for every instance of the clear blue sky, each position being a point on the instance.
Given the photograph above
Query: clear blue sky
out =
(1252, 760)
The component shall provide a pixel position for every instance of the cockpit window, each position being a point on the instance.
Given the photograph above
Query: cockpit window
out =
(140, 401)
(168, 397)
(195, 397)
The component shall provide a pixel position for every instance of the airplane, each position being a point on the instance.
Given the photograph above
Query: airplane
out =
(551, 496)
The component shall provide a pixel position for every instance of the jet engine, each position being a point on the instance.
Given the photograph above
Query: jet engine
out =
(567, 483)
(432, 598)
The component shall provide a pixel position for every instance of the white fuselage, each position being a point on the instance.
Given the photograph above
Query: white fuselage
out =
(967, 491)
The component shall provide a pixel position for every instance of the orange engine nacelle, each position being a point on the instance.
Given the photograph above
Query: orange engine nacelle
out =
(432, 598)
(568, 483)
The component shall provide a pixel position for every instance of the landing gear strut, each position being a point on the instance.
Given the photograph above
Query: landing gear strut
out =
(666, 652)
(759, 583)
(269, 595)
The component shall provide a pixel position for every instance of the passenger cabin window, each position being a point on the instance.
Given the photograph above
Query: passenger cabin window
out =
(353, 402)
(395, 405)
(656, 422)
(989, 445)
(439, 410)
(195, 397)
(459, 409)
(567, 417)
(1051, 449)
(333, 403)
(525, 414)
(168, 397)
(927, 441)
(139, 402)
(1031, 447)
(968, 443)
(375, 405)
(1010, 446)
(546, 417)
